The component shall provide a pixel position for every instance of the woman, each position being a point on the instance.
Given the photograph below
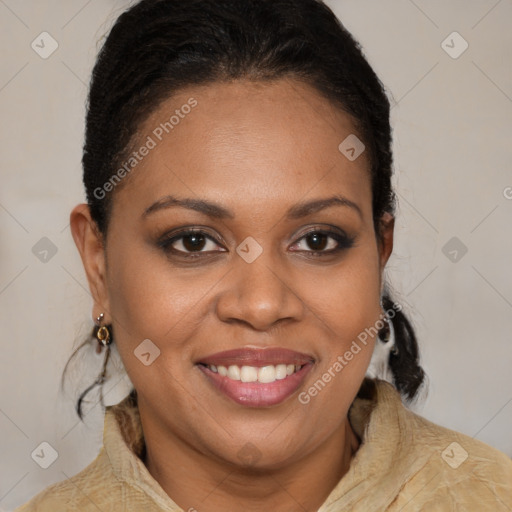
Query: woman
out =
(239, 217)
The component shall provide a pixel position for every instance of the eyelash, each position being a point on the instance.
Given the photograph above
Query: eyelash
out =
(166, 242)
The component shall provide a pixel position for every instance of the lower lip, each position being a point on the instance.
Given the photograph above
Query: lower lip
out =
(255, 394)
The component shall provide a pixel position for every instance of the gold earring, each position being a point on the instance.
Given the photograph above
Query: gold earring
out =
(104, 337)
(103, 334)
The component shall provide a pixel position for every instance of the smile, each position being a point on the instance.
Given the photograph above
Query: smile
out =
(256, 378)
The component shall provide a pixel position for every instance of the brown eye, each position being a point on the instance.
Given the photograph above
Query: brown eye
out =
(189, 242)
(317, 241)
(194, 242)
(324, 242)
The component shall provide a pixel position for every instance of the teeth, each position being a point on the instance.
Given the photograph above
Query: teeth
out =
(234, 372)
(281, 371)
(267, 374)
(263, 374)
(248, 374)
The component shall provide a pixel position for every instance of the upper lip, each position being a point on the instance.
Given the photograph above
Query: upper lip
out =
(256, 357)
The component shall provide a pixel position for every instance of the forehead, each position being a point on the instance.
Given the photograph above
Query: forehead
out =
(260, 143)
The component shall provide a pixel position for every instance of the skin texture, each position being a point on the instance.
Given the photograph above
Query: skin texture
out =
(257, 149)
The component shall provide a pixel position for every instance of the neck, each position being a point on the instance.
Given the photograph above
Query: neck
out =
(198, 482)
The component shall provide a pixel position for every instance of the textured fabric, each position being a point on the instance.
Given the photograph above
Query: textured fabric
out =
(404, 463)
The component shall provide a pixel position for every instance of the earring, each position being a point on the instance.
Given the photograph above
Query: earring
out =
(102, 334)
(104, 338)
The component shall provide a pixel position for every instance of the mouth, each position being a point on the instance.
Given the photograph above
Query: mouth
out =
(256, 377)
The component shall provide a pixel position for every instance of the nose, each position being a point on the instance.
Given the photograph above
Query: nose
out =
(259, 294)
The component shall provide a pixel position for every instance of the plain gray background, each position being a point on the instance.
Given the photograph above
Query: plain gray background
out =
(452, 144)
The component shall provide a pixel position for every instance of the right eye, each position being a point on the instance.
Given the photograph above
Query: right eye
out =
(189, 243)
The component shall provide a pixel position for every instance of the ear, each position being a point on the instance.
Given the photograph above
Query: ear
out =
(90, 244)
(385, 246)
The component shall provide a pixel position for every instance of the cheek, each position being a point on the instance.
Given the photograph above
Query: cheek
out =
(348, 308)
(151, 299)
(347, 297)
(147, 293)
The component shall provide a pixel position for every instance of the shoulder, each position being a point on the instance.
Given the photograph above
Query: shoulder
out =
(456, 447)
(458, 470)
(430, 466)
(83, 491)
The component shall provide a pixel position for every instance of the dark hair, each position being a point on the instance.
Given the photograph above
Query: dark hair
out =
(158, 47)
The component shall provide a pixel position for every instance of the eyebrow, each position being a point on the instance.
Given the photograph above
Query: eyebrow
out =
(216, 211)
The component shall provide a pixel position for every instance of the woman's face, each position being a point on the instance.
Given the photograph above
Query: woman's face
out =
(267, 282)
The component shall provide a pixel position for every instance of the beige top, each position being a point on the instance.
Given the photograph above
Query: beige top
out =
(404, 463)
